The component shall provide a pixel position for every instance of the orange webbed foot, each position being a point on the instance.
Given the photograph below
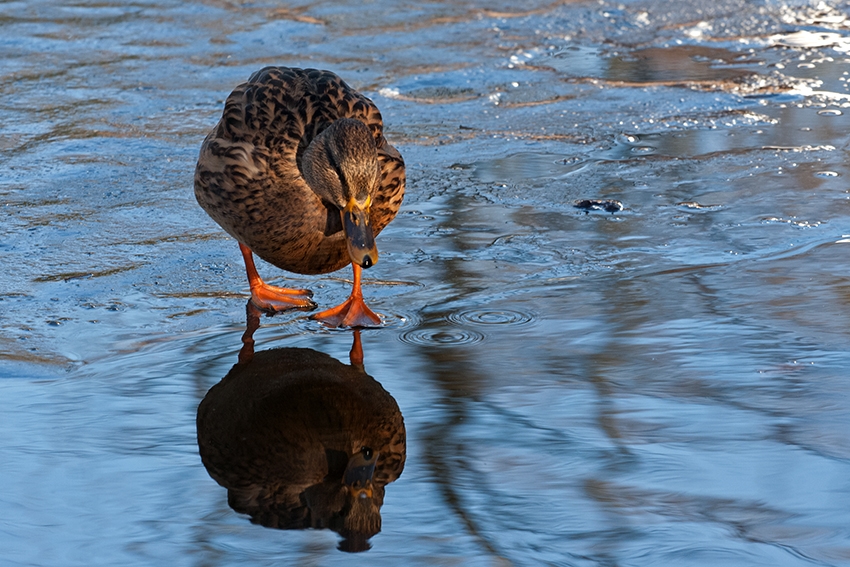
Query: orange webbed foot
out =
(353, 312)
(274, 299)
(271, 298)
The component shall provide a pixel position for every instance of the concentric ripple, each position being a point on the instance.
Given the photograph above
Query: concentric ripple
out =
(492, 317)
(400, 320)
(441, 337)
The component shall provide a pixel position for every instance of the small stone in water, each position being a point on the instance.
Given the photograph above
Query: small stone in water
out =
(607, 205)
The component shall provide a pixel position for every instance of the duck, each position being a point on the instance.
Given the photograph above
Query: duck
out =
(302, 441)
(299, 172)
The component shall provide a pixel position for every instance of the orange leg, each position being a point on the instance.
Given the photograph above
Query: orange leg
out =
(246, 354)
(269, 297)
(353, 311)
(355, 355)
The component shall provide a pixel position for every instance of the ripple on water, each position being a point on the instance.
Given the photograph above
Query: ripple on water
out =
(642, 150)
(304, 325)
(491, 317)
(694, 206)
(441, 337)
(400, 320)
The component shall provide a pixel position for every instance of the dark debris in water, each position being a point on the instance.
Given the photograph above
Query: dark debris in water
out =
(607, 205)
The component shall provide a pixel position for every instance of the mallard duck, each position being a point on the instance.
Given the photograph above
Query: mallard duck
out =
(301, 440)
(298, 171)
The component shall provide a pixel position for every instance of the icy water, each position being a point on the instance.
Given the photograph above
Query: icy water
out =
(664, 384)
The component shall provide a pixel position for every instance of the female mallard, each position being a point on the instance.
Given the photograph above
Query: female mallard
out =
(299, 172)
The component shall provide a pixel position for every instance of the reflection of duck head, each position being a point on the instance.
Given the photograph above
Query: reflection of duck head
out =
(301, 440)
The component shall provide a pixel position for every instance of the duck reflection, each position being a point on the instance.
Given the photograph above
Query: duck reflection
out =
(301, 440)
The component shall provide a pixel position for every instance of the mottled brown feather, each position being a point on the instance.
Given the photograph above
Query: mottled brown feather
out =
(248, 177)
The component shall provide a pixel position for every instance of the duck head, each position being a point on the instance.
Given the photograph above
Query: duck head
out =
(360, 517)
(341, 166)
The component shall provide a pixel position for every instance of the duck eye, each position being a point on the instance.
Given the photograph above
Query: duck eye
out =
(366, 452)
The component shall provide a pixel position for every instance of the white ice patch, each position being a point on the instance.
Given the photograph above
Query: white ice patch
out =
(389, 92)
(804, 38)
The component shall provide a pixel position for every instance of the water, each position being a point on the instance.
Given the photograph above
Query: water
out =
(661, 385)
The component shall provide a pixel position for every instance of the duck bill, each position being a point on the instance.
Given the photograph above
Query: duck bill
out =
(358, 233)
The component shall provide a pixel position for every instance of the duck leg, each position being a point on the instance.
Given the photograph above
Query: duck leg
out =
(270, 297)
(246, 353)
(353, 311)
(355, 355)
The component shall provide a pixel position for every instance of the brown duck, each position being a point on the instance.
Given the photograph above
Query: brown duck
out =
(301, 440)
(298, 172)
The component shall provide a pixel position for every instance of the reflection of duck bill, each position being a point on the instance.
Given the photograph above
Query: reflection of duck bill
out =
(359, 473)
(363, 491)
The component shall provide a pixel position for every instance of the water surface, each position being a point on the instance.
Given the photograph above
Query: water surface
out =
(662, 385)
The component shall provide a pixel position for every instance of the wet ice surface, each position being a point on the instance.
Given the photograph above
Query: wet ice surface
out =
(661, 385)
